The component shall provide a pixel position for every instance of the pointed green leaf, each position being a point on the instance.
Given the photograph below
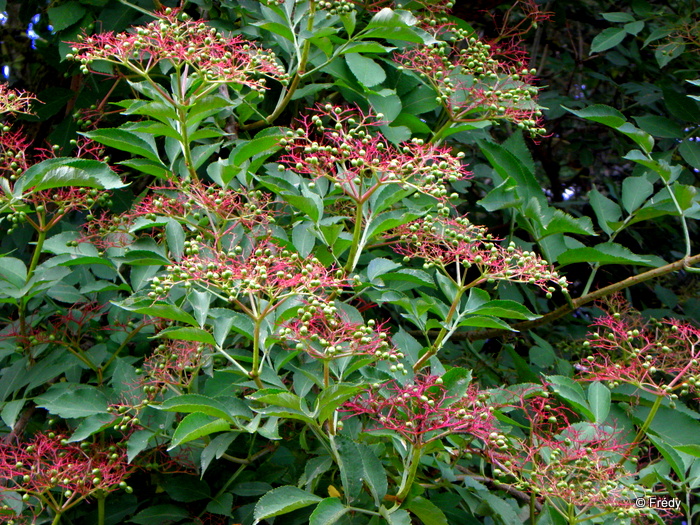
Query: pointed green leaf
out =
(187, 333)
(641, 138)
(195, 403)
(618, 16)
(160, 310)
(660, 126)
(70, 400)
(374, 473)
(125, 141)
(456, 382)
(692, 449)
(91, 425)
(427, 511)
(332, 397)
(328, 512)
(160, 515)
(194, 426)
(366, 71)
(606, 210)
(690, 151)
(607, 39)
(571, 392)
(635, 192)
(486, 322)
(599, 401)
(505, 308)
(600, 113)
(61, 172)
(281, 501)
(351, 470)
(607, 253)
(380, 266)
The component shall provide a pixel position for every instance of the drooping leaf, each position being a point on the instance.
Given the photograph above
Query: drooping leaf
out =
(158, 310)
(332, 397)
(63, 16)
(351, 470)
(505, 308)
(606, 210)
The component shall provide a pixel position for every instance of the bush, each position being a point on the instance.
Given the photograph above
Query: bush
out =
(254, 288)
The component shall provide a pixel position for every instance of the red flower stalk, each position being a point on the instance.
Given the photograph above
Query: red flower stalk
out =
(52, 204)
(352, 154)
(266, 270)
(173, 364)
(49, 462)
(579, 463)
(15, 100)
(71, 329)
(324, 333)
(659, 357)
(442, 241)
(107, 231)
(423, 411)
(13, 154)
(518, 19)
(187, 44)
(476, 84)
(193, 199)
(580, 466)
